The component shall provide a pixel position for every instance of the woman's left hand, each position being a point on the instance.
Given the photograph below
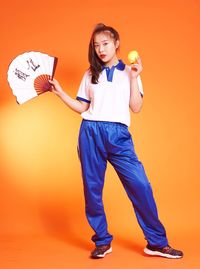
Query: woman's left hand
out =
(136, 69)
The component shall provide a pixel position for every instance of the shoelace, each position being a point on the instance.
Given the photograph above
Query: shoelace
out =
(170, 250)
(100, 249)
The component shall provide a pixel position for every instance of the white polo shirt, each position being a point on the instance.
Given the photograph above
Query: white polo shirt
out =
(109, 99)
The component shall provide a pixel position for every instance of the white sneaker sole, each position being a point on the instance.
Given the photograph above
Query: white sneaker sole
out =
(157, 253)
(106, 252)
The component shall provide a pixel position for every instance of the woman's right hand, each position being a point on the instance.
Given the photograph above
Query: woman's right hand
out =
(76, 105)
(56, 88)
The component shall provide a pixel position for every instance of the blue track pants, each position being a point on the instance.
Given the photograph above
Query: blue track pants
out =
(98, 143)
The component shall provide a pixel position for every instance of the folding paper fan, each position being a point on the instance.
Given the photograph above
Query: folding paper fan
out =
(29, 74)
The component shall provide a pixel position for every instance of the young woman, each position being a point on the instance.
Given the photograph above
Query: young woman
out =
(107, 90)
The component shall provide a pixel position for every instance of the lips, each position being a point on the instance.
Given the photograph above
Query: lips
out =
(102, 56)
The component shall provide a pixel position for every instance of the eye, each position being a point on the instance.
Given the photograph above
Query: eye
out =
(96, 45)
(106, 43)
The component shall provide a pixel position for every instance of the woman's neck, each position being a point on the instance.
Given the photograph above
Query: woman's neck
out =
(113, 61)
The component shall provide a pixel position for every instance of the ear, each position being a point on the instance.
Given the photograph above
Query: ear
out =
(117, 44)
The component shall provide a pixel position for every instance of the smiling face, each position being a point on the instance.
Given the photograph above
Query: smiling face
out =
(106, 48)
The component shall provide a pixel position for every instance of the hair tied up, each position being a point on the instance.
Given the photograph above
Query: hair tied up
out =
(96, 63)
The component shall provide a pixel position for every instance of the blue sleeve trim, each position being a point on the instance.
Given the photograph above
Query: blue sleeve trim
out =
(82, 99)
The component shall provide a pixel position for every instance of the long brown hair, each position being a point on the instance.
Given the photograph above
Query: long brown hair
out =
(96, 63)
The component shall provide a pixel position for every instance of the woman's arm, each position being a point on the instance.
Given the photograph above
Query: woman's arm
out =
(76, 105)
(136, 99)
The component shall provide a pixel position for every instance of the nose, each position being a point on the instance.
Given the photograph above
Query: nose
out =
(101, 48)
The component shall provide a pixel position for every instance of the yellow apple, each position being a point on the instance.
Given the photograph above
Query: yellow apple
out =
(133, 56)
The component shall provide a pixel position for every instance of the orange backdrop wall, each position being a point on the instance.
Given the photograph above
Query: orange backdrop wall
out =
(40, 182)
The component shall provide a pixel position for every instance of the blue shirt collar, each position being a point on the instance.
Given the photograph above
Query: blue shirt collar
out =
(110, 71)
(119, 66)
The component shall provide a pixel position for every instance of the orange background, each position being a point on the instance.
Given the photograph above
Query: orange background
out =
(41, 188)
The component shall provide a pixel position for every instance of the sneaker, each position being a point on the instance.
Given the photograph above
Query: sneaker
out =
(101, 251)
(167, 252)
